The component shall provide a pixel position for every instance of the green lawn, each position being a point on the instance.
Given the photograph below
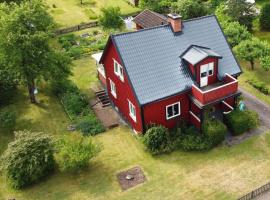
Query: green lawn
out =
(71, 12)
(224, 173)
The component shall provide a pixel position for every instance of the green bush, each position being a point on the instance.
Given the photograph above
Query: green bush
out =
(261, 86)
(75, 52)
(62, 86)
(214, 131)
(74, 103)
(7, 118)
(27, 159)
(75, 152)
(156, 140)
(265, 17)
(67, 41)
(89, 125)
(193, 140)
(111, 18)
(241, 121)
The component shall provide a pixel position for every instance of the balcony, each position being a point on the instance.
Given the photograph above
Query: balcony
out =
(217, 91)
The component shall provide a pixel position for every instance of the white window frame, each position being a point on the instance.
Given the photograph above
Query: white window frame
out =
(118, 70)
(131, 114)
(113, 88)
(174, 115)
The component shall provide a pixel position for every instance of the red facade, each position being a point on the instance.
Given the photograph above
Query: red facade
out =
(124, 91)
(155, 112)
(192, 102)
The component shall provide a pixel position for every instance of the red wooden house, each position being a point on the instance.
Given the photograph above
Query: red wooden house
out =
(172, 72)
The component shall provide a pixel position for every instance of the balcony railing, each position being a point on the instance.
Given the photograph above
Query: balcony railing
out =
(229, 87)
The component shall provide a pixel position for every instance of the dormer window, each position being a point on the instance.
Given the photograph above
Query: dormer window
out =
(201, 61)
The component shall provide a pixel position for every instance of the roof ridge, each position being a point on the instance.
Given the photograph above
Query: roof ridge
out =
(141, 30)
(198, 18)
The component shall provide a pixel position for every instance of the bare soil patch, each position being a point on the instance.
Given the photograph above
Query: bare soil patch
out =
(131, 177)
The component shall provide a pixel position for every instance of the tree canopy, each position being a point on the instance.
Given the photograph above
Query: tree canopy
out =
(190, 8)
(111, 18)
(242, 11)
(236, 33)
(252, 49)
(265, 17)
(27, 51)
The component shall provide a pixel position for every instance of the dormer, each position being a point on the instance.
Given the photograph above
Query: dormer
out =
(202, 63)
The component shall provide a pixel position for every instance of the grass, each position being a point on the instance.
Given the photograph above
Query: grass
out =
(258, 74)
(71, 12)
(223, 173)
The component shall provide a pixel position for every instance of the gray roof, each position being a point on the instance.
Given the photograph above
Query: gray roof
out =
(195, 54)
(151, 56)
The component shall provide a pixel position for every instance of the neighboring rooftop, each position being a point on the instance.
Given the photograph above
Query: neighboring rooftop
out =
(195, 54)
(148, 19)
(152, 56)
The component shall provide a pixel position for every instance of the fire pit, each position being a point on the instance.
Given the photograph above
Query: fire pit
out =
(131, 177)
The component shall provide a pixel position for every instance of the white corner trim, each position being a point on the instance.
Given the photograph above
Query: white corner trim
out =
(195, 116)
(228, 105)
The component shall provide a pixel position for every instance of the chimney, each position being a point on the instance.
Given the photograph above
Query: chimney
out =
(176, 22)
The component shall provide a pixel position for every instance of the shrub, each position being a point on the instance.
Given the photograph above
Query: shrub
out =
(241, 121)
(75, 52)
(265, 17)
(111, 18)
(62, 86)
(74, 103)
(193, 140)
(156, 140)
(75, 152)
(89, 125)
(214, 131)
(27, 159)
(261, 86)
(7, 119)
(67, 41)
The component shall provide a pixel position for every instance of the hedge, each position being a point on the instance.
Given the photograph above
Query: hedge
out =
(241, 121)
(261, 86)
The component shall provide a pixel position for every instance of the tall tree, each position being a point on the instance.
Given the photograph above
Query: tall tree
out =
(251, 50)
(236, 33)
(265, 17)
(242, 11)
(25, 33)
(190, 8)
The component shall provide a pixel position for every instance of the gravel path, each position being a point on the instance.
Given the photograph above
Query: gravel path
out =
(262, 109)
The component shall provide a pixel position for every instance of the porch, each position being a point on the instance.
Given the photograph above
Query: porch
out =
(215, 92)
(216, 110)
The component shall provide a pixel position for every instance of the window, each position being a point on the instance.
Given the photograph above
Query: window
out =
(132, 111)
(113, 88)
(210, 69)
(118, 70)
(173, 110)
